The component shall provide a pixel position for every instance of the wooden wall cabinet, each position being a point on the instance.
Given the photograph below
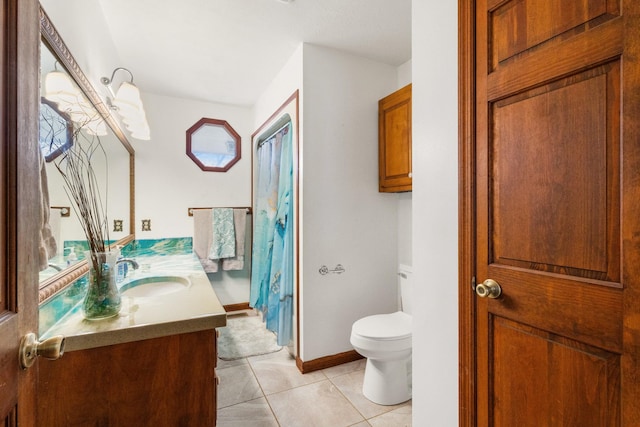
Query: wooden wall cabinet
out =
(394, 141)
(168, 381)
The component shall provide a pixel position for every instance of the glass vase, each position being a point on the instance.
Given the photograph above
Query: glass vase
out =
(103, 298)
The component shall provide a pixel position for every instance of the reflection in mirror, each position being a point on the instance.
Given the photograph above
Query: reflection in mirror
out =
(213, 145)
(111, 168)
(77, 104)
(56, 130)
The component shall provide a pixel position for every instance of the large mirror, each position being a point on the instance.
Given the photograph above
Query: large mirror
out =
(113, 166)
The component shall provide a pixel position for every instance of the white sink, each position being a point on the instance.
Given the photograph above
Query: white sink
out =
(154, 286)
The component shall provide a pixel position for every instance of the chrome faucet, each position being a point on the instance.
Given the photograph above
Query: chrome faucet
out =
(133, 262)
(55, 266)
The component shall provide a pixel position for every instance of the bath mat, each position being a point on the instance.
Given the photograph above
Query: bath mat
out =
(245, 336)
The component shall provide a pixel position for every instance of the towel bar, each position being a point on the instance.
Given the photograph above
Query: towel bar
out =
(248, 208)
(65, 211)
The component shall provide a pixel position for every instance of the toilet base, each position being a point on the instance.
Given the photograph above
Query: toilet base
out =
(387, 382)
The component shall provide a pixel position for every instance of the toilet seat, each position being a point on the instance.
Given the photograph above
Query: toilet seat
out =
(383, 334)
(384, 327)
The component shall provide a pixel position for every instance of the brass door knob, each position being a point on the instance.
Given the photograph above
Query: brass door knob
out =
(30, 348)
(489, 289)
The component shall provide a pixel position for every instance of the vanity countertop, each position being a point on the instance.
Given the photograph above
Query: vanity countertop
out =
(143, 317)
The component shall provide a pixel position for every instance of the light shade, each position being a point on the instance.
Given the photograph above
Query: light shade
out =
(128, 99)
(127, 102)
(60, 89)
(143, 134)
(130, 108)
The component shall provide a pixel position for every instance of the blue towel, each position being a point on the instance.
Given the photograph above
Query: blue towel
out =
(223, 244)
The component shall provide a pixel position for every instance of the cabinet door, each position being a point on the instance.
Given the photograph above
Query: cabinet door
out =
(394, 134)
(166, 381)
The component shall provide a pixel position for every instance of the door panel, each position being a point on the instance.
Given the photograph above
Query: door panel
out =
(556, 177)
(543, 379)
(520, 25)
(555, 58)
(580, 310)
(551, 186)
(19, 197)
(396, 155)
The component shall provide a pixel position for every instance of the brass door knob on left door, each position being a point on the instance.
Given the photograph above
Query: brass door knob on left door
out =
(30, 348)
(489, 289)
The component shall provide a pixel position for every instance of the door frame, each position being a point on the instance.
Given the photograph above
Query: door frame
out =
(466, 214)
(20, 195)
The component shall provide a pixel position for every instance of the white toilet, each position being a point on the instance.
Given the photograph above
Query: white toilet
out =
(385, 340)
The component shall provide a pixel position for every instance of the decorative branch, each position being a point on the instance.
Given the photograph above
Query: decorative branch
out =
(83, 189)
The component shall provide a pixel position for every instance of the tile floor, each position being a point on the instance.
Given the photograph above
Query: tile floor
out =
(269, 391)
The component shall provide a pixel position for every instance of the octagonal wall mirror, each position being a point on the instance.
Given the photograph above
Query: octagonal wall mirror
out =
(56, 130)
(213, 145)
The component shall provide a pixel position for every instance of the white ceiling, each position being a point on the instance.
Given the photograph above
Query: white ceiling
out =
(227, 51)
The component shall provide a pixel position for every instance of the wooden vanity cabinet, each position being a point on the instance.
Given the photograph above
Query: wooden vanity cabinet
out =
(394, 141)
(167, 381)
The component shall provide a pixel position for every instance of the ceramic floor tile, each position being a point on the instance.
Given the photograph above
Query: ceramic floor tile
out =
(362, 424)
(351, 386)
(256, 413)
(237, 384)
(345, 368)
(222, 364)
(400, 417)
(314, 405)
(278, 372)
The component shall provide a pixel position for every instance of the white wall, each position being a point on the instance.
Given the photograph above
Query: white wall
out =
(346, 220)
(404, 74)
(435, 207)
(288, 80)
(405, 200)
(168, 182)
(405, 231)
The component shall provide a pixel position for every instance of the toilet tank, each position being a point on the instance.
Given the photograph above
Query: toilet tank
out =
(405, 283)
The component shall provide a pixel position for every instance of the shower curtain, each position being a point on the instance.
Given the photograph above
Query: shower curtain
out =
(272, 257)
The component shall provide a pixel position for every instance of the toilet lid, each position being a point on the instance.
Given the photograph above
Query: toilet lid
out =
(384, 326)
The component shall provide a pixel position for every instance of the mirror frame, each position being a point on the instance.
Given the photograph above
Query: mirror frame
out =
(219, 123)
(51, 38)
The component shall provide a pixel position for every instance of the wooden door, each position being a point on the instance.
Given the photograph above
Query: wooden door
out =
(19, 44)
(552, 199)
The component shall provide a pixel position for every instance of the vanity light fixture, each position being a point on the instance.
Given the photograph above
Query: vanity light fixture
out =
(60, 89)
(127, 102)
